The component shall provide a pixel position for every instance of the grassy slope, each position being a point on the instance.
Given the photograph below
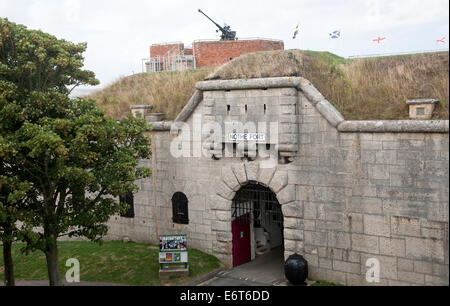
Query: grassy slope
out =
(114, 262)
(361, 89)
(168, 92)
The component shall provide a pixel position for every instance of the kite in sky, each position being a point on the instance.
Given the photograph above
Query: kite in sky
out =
(335, 34)
(296, 32)
(379, 39)
(442, 40)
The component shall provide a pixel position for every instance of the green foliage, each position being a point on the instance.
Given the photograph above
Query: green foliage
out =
(113, 262)
(69, 160)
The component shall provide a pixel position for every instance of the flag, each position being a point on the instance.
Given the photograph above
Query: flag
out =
(296, 32)
(335, 34)
(442, 40)
(379, 39)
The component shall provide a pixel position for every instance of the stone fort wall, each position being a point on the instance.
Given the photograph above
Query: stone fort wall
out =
(351, 190)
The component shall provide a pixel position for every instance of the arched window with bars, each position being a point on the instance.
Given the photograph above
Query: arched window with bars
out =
(180, 213)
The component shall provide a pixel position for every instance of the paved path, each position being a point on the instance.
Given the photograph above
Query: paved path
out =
(266, 270)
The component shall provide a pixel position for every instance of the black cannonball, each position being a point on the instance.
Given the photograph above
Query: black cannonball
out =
(296, 269)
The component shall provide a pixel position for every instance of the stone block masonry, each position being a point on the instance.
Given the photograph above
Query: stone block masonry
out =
(350, 191)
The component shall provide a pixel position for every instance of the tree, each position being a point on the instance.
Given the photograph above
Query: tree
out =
(13, 195)
(76, 161)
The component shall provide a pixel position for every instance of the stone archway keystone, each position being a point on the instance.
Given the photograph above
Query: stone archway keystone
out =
(252, 171)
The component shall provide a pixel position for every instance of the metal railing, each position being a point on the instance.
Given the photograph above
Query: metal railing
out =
(398, 53)
(178, 62)
(240, 39)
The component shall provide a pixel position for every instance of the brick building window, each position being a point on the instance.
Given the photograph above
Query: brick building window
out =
(180, 208)
(129, 200)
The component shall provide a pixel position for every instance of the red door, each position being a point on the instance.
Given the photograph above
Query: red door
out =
(241, 240)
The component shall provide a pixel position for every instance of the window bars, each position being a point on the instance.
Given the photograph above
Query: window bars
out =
(257, 201)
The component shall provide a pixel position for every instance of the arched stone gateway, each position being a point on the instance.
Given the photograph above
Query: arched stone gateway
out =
(256, 223)
(244, 177)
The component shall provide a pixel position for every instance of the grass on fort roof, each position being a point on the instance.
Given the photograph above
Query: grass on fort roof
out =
(361, 89)
(112, 262)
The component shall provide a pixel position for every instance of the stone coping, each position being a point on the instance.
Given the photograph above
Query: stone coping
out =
(248, 84)
(141, 106)
(395, 126)
(323, 106)
(161, 125)
(422, 101)
(186, 112)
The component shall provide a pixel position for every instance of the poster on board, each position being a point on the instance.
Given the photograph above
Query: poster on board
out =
(173, 249)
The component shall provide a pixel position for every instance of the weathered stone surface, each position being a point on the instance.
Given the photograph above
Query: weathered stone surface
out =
(293, 223)
(333, 116)
(293, 234)
(222, 226)
(313, 95)
(346, 266)
(287, 195)
(364, 243)
(316, 238)
(161, 126)
(224, 191)
(282, 82)
(239, 172)
(196, 98)
(230, 179)
(405, 226)
(377, 225)
(252, 171)
(289, 92)
(339, 240)
(395, 126)
(265, 175)
(219, 203)
(294, 210)
(392, 247)
(279, 181)
(424, 249)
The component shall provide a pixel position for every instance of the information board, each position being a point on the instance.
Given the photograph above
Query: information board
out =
(173, 249)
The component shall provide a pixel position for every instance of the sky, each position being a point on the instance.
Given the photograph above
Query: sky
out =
(120, 32)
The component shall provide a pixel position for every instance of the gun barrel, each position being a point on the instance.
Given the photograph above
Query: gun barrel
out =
(221, 29)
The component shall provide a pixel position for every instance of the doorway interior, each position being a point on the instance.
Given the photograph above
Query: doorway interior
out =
(257, 223)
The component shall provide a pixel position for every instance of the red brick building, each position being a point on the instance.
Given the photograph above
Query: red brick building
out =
(205, 53)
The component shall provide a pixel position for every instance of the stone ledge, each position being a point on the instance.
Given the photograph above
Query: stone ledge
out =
(161, 126)
(333, 116)
(422, 101)
(395, 126)
(262, 83)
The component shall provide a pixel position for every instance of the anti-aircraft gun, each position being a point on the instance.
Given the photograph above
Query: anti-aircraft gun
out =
(227, 34)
